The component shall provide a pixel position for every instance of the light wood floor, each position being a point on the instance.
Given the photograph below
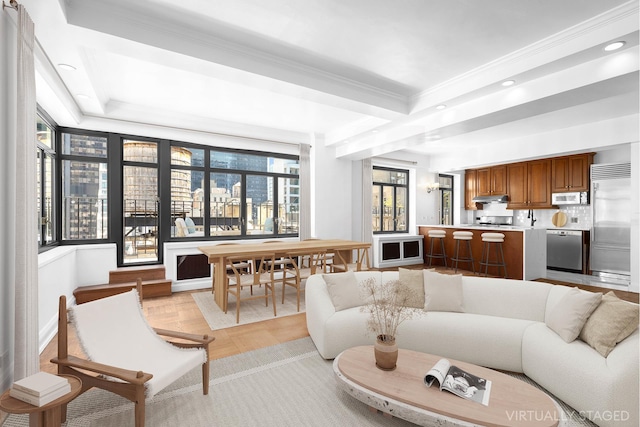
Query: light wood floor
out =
(179, 312)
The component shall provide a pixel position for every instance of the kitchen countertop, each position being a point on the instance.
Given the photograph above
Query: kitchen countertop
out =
(504, 227)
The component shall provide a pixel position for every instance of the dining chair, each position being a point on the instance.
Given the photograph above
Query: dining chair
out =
(302, 264)
(243, 266)
(262, 274)
(360, 262)
(329, 258)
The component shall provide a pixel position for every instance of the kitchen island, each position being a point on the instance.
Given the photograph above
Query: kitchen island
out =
(525, 248)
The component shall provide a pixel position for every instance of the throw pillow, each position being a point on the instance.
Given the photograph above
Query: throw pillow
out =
(414, 281)
(191, 226)
(343, 290)
(442, 292)
(572, 311)
(611, 322)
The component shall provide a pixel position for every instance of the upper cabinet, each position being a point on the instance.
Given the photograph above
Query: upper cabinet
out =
(470, 181)
(571, 173)
(492, 181)
(529, 185)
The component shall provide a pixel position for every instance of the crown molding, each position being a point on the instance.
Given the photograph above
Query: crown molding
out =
(216, 42)
(606, 26)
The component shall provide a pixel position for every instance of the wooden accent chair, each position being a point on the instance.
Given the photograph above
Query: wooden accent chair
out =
(262, 273)
(124, 354)
(303, 264)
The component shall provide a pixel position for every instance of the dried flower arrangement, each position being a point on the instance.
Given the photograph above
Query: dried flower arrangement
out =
(388, 306)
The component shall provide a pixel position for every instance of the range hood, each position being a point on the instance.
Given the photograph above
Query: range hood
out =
(503, 198)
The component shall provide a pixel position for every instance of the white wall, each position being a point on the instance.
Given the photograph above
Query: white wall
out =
(60, 271)
(335, 195)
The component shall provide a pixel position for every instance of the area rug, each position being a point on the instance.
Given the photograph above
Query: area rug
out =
(250, 311)
(284, 385)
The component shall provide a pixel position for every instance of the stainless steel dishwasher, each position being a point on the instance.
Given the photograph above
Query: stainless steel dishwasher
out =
(564, 250)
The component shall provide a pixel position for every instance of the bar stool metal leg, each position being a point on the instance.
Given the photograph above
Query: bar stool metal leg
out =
(458, 257)
(496, 239)
(439, 235)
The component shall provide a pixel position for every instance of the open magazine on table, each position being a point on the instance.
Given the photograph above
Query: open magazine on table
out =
(459, 382)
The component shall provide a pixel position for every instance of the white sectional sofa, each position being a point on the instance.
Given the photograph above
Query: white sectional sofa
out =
(502, 325)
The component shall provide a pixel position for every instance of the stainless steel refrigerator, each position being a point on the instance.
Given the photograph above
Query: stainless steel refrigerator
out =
(611, 215)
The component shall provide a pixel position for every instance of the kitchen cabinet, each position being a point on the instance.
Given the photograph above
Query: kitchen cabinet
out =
(470, 178)
(492, 181)
(529, 185)
(571, 173)
(525, 249)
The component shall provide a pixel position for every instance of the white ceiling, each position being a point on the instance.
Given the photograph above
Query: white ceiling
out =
(365, 75)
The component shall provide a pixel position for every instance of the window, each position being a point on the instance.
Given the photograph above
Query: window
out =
(445, 185)
(155, 187)
(84, 187)
(390, 200)
(140, 200)
(45, 169)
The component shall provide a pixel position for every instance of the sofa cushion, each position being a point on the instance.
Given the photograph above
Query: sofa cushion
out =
(484, 340)
(611, 322)
(518, 299)
(442, 292)
(414, 281)
(572, 311)
(343, 289)
(603, 389)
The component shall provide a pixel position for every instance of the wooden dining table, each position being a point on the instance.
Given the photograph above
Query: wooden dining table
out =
(218, 255)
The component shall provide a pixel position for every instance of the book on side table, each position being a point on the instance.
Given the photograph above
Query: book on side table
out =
(40, 389)
(459, 382)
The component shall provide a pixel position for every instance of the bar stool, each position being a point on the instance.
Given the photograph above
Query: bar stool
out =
(496, 239)
(465, 236)
(439, 235)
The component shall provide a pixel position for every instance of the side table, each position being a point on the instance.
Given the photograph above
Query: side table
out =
(48, 415)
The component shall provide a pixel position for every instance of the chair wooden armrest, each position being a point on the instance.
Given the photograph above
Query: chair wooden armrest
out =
(133, 377)
(198, 340)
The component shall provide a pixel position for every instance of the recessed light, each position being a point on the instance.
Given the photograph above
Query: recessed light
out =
(441, 107)
(614, 46)
(67, 67)
(508, 83)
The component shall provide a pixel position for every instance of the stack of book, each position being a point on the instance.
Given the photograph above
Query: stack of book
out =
(40, 389)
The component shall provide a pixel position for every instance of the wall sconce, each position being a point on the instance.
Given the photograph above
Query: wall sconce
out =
(432, 187)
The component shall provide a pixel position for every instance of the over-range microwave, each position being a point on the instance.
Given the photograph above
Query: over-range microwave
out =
(574, 198)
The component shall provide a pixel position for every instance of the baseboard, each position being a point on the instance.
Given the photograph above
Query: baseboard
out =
(51, 329)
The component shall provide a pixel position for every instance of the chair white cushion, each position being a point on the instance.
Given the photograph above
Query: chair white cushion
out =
(181, 228)
(191, 226)
(113, 331)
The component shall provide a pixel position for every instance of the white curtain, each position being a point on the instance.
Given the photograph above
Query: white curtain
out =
(23, 260)
(305, 192)
(367, 182)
